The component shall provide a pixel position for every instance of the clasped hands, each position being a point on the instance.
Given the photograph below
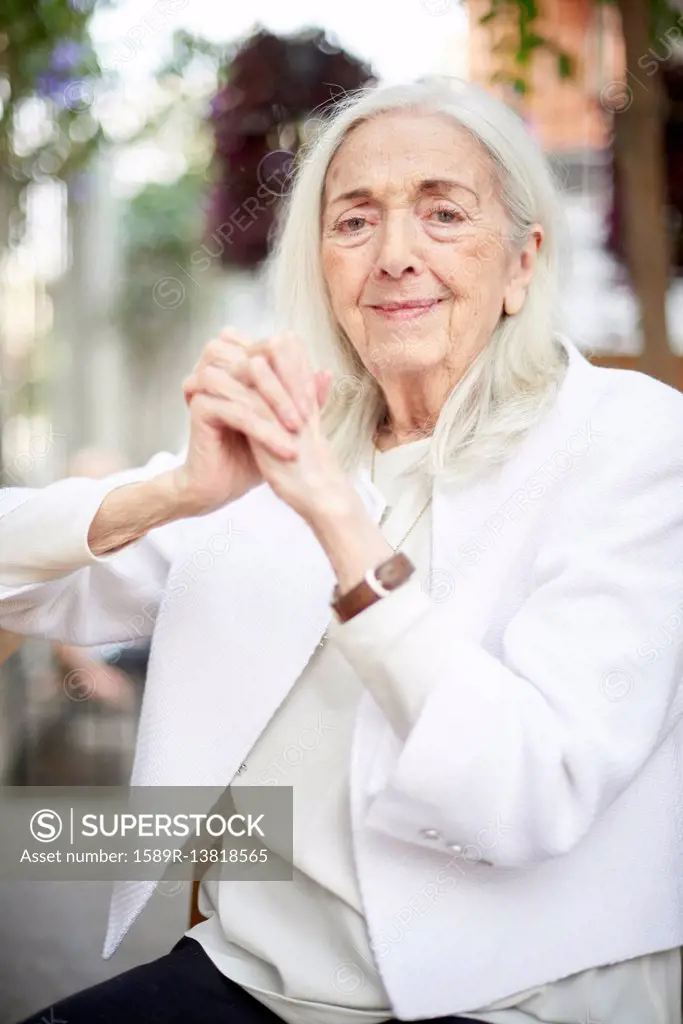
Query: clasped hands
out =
(266, 399)
(269, 393)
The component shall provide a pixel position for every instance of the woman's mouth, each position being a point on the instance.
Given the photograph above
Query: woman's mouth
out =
(409, 310)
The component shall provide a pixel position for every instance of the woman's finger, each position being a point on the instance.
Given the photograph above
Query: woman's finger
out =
(278, 367)
(323, 379)
(231, 335)
(248, 363)
(274, 392)
(286, 356)
(225, 351)
(229, 350)
(236, 348)
(190, 386)
(245, 420)
(220, 382)
(233, 380)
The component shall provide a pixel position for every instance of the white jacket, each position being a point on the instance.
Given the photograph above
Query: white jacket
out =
(538, 799)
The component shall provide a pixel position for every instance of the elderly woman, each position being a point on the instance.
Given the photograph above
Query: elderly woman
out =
(439, 595)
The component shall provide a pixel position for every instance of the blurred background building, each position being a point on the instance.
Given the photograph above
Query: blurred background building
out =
(133, 140)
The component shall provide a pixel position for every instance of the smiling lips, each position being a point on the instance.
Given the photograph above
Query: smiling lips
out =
(406, 310)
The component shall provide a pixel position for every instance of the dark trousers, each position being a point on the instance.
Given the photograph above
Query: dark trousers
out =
(182, 987)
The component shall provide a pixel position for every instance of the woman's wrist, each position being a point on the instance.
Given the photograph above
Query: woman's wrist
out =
(351, 539)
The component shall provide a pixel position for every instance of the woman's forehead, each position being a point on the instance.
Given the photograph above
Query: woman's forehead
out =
(394, 152)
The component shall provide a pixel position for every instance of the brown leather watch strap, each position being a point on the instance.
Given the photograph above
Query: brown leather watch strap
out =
(391, 574)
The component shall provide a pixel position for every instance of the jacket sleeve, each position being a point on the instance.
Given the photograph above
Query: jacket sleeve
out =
(515, 754)
(53, 586)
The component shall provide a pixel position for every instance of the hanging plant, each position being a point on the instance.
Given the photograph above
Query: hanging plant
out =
(273, 85)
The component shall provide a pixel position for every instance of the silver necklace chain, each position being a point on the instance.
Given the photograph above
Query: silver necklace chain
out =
(385, 514)
(388, 510)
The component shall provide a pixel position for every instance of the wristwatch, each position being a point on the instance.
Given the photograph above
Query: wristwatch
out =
(376, 584)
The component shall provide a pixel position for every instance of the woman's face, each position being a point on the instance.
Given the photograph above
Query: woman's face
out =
(411, 214)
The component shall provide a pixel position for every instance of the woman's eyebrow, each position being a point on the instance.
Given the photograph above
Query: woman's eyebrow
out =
(354, 193)
(444, 185)
(425, 186)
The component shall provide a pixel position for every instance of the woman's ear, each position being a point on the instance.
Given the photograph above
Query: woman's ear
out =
(522, 271)
(513, 301)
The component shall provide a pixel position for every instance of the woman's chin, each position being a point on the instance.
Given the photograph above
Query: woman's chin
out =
(386, 362)
(408, 354)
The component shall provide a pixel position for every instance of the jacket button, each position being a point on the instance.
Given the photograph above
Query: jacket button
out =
(455, 847)
(242, 768)
(430, 833)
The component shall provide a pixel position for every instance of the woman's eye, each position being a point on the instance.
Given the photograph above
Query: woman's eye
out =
(351, 224)
(447, 216)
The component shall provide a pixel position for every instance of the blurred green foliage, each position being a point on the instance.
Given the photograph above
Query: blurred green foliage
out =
(162, 225)
(46, 53)
(186, 47)
(166, 221)
(525, 37)
(523, 40)
(29, 32)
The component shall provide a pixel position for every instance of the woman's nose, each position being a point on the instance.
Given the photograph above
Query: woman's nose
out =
(396, 253)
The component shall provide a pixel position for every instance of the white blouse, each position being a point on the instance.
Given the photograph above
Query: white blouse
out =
(301, 947)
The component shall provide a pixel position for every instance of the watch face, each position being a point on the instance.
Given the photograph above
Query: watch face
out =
(395, 571)
(386, 576)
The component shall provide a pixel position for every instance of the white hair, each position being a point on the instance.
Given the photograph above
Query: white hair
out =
(515, 377)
